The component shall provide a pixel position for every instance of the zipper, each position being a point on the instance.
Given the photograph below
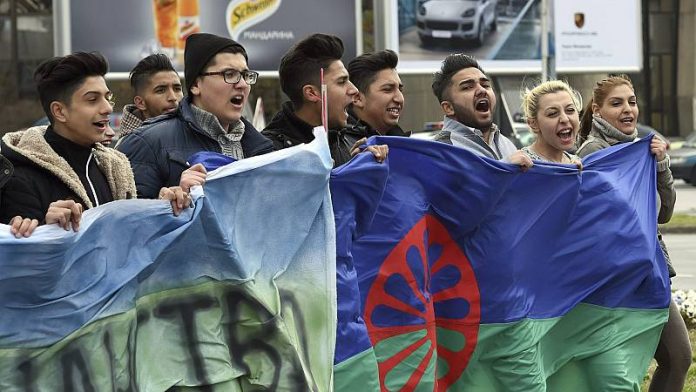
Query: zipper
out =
(94, 192)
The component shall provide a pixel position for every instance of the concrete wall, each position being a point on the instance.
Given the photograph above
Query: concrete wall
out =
(686, 88)
(420, 102)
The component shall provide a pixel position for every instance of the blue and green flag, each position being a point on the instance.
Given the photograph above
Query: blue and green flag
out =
(466, 274)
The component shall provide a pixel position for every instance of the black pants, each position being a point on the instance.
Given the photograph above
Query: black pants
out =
(673, 354)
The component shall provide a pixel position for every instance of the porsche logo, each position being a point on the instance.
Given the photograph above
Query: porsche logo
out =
(579, 19)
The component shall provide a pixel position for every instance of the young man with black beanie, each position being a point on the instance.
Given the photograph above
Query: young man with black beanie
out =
(218, 81)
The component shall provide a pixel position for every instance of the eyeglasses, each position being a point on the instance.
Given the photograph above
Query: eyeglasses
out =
(232, 76)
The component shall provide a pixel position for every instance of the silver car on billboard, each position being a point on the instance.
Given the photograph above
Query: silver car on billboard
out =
(463, 19)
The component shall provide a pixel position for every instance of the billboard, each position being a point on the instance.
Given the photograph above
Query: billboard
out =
(126, 31)
(598, 36)
(504, 35)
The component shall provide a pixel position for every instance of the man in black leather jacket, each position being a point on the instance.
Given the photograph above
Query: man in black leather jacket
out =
(300, 70)
(377, 107)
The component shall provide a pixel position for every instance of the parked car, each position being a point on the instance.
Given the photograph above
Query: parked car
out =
(683, 160)
(430, 129)
(464, 19)
(522, 136)
(644, 130)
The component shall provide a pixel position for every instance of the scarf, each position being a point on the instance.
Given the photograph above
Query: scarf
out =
(612, 134)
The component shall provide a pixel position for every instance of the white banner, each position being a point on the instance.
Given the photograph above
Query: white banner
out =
(598, 36)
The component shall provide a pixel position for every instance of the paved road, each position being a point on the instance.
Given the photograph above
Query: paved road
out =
(682, 251)
(682, 247)
(686, 198)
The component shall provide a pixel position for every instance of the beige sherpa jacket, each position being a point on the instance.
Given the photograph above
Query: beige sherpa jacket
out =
(114, 165)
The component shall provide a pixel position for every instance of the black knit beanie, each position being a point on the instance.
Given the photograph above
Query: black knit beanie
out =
(200, 49)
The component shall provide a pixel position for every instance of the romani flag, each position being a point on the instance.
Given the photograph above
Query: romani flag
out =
(461, 273)
(438, 270)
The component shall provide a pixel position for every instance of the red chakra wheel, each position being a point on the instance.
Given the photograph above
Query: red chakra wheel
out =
(423, 311)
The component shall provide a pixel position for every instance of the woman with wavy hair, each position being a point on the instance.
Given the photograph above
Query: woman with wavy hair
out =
(609, 119)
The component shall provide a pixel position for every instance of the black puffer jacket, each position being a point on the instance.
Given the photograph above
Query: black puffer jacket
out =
(5, 170)
(159, 149)
(42, 175)
(287, 130)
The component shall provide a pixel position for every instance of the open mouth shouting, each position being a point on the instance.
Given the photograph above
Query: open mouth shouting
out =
(627, 120)
(482, 105)
(566, 136)
(101, 125)
(237, 100)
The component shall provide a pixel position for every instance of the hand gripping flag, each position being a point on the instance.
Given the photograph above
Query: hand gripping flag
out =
(236, 294)
(468, 275)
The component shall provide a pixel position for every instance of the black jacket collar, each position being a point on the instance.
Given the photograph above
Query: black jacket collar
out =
(355, 122)
(287, 126)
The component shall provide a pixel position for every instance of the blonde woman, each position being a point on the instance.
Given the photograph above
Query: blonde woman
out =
(552, 111)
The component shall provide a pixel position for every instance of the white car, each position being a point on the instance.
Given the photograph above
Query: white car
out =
(463, 19)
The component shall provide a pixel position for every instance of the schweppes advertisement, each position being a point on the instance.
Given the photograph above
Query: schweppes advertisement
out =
(266, 28)
(242, 14)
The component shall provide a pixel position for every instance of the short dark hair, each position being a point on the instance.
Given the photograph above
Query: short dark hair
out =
(364, 68)
(142, 72)
(450, 66)
(302, 63)
(59, 77)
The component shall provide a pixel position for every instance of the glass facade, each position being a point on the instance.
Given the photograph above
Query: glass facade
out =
(26, 38)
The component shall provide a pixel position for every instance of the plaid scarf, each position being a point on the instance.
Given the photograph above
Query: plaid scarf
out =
(131, 119)
(230, 141)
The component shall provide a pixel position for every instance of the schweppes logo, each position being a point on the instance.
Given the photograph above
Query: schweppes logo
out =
(242, 14)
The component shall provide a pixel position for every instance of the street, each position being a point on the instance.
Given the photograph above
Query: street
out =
(682, 247)
(686, 198)
(682, 251)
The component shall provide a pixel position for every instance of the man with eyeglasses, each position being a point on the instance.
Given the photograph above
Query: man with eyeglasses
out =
(62, 169)
(209, 118)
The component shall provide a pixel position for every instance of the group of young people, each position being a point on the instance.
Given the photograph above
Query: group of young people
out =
(552, 111)
(49, 175)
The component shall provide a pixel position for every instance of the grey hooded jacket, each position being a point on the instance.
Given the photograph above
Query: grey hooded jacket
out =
(457, 134)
